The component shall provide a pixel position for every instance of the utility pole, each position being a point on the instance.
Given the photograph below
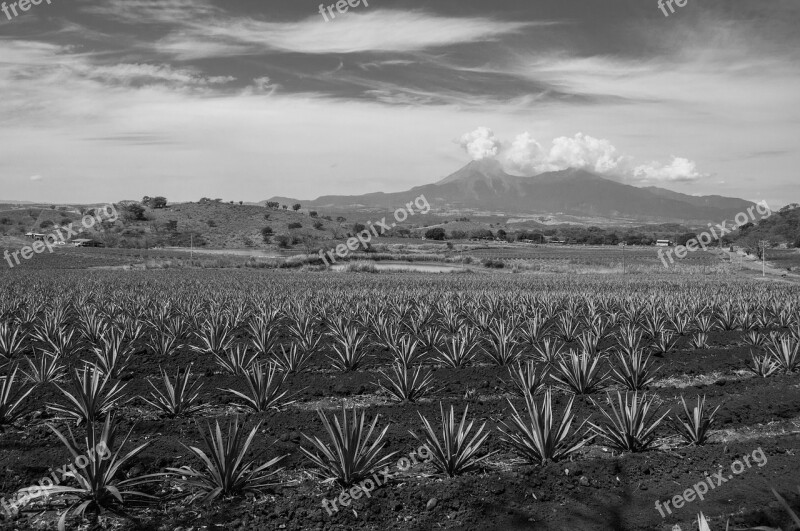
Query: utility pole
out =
(191, 243)
(622, 245)
(763, 244)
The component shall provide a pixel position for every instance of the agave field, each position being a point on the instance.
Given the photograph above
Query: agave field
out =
(311, 400)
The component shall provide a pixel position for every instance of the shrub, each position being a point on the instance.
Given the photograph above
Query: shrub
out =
(436, 233)
(295, 225)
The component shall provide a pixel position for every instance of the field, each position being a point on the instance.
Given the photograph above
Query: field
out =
(328, 340)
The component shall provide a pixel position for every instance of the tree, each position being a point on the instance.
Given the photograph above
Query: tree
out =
(283, 241)
(313, 214)
(284, 207)
(359, 227)
(296, 207)
(273, 204)
(501, 234)
(134, 212)
(482, 234)
(241, 202)
(436, 233)
(266, 234)
(155, 202)
(683, 238)
(458, 235)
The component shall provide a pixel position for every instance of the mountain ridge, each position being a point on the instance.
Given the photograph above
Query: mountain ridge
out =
(483, 186)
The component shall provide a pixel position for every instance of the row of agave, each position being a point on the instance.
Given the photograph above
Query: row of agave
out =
(454, 342)
(351, 454)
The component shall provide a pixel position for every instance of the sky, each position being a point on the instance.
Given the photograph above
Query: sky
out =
(105, 100)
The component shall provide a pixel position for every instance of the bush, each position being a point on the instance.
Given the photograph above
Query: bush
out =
(313, 214)
(436, 233)
(266, 234)
(318, 225)
(482, 234)
(295, 225)
(458, 235)
(494, 264)
(283, 241)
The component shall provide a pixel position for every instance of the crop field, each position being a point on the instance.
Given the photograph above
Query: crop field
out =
(587, 255)
(591, 401)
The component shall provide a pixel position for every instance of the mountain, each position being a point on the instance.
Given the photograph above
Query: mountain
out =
(483, 186)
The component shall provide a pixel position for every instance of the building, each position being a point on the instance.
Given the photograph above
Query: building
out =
(663, 243)
(36, 236)
(86, 243)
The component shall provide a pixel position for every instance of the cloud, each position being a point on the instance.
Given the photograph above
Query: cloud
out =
(480, 144)
(383, 30)
(679, 170)
(35, 178)
(584, 151)
(526, 156)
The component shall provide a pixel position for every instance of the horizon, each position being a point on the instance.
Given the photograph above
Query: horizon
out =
(241, 100)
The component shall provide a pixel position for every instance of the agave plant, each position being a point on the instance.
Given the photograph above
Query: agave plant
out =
(99, 488)
(349, 352)
(263, 388)
(112, 353)
(549, 351)
(580, 373)
(459, 350)
(215, 336)
(262, 335)
(634, 371)
(536, 437)
(458, 451)
(430, 339)
(12, 340)
(295, 360)
(45, 369)
(11, 400)
(664, 343)
(348, 457)
(754, 338)
(406, 384)
(406, 351)
(178, 399)
(526, 380)
(225, 471)
(785, 351)
(567, 328)
(502, 349)
(236, 361)
(90, 400)
(534, 330)
(762, 365)
(164, 344)
(699, 341)
(694, 427)
(632, 427)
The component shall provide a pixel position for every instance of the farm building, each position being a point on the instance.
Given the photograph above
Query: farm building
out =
(663, 243)
(86, 243)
